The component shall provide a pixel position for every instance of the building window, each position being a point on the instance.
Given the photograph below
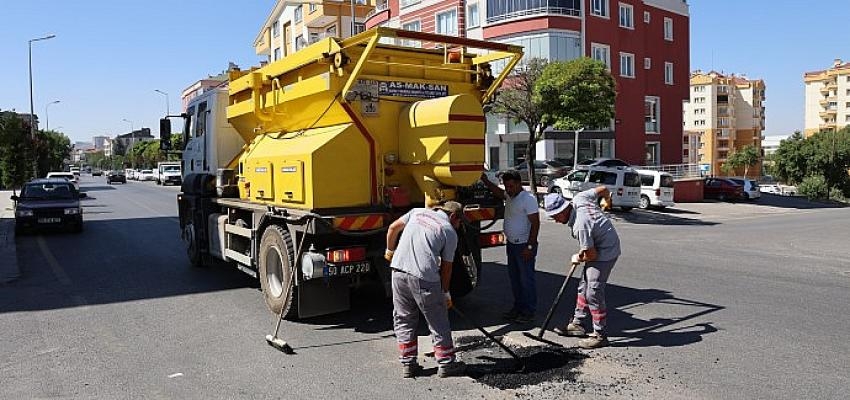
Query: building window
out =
(553, 46)
(276, 29)
(601, 52)
(652, 107)
(627, 19)
(276, 54)
(314, 37)
(359, 27)
(699, 88)
(472, 15)
(653, 153)
(646, 17)
(627, 65)
(668, 28)
(668, 73)
(414, 26)
(699, 99)
(330, 31)
(446, 23)
(405, 3)
(300, 43)
(647, 63)
(298, 14)
(599, 8)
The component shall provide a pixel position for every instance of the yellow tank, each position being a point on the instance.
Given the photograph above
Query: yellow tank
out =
(339, 123)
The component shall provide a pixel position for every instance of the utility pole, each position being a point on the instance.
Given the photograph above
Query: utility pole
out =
(32, 106)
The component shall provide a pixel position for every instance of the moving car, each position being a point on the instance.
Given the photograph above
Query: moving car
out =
(65, 175)
(623, 183)
(604, 162)
(116, 176)
(656, 189)
(48, 203)
(722, 189)
(751, 188)
(544, 171)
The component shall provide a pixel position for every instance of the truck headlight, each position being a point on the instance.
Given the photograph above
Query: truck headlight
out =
(72, 211)
(23, 212)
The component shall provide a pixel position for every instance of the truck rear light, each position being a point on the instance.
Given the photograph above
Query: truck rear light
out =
(658, 192)
(346, 255)
(619, 191)
(491, 239)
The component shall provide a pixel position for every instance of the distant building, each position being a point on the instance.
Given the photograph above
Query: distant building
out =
(25, 117)
(201, 86)
(100, 142)
(827, 98)
(138, 135)
(728, 113)
(83, 146)
(771, 143)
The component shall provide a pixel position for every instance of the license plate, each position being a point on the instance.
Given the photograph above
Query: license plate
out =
(49, 220)
(345, 269)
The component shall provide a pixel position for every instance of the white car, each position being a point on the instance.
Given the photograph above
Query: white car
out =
(67, 175)
(622, 182)
(656, 189)
(771, 188)
(145, 175)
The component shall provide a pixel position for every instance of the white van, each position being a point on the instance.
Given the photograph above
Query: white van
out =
(656, 189)
(622, 182)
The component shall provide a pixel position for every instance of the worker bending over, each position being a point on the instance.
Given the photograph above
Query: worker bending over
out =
(421, 272)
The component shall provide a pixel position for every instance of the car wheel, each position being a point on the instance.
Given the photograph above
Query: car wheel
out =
(644, 202)
(277, 272)
(721, 197)
(745, 196)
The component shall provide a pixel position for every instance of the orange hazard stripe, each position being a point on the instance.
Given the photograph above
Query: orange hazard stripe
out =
(466, 168)
(359, 222)
(480, 214)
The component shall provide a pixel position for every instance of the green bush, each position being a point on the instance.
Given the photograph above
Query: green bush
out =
(813, 187)
(837, 194)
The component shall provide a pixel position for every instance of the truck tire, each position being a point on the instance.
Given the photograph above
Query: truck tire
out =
(276, 265)
(465, 277)
(193, 251)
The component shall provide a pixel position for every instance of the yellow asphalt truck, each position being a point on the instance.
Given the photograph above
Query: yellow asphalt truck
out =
(293, 171)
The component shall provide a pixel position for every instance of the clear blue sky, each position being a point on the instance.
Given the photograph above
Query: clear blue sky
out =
(109, 56)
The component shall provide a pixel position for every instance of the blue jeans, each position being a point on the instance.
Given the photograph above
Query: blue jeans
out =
(521, 273)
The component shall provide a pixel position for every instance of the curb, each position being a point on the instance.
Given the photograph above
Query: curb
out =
(9, 270)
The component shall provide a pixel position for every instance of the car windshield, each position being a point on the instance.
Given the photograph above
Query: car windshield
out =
(171, 168)
(47, 191)
(666, 181)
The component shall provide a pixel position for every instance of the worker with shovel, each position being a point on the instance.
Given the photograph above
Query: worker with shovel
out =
(599, 249)
(421, 272)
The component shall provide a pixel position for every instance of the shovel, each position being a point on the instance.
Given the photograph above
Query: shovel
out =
(539, 336)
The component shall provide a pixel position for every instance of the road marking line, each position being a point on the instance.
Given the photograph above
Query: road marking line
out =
(54, 265)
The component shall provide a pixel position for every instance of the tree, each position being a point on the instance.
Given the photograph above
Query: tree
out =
(567, 95)
(15, 150)
(515, 101)
(52, 149)
(745, 157)
(824, 154)
(118, 148)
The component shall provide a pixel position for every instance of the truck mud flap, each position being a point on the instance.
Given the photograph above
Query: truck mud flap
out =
(323, 296)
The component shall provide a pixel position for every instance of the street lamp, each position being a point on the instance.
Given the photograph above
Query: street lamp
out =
(32, 105)
(47, 116)
(131, 124)
(167, 107)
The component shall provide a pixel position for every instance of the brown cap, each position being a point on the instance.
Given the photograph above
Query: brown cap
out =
(452, 207)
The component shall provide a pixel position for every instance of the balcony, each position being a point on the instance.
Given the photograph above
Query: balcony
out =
(378, 16)
(831, 85)
(501, 10)
(828, 113)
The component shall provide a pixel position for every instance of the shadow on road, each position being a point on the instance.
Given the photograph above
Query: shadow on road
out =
(659, 218)
(795, 202)
(89, 188)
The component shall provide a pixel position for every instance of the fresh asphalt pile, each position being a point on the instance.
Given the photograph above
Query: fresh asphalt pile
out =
(489, 365)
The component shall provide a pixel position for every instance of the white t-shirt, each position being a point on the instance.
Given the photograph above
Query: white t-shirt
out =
(517, 210)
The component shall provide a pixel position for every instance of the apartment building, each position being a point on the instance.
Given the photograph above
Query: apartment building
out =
(827, 98)
(292, 25)
(645, 43)
(727, 113)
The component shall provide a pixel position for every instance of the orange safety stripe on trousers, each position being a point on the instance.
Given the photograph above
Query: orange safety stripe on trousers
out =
(581, 302)
(443, 352)
(598, 315)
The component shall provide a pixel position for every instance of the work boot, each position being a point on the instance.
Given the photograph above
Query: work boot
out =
(511, 315)
(410, 370)
(523, 318)
(454, 368)
(573, 330)
(594, 341)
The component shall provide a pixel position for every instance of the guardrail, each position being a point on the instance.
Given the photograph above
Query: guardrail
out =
(679, 171)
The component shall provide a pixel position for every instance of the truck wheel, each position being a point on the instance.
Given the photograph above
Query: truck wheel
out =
(466, 270)
(277, 272)
(192, 249)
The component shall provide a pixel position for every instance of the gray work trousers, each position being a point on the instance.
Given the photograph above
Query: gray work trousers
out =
(591, 294)
(410, 296)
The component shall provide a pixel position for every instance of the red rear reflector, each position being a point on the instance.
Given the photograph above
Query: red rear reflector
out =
(619, 191)
(658, 192)
(346, 255)
(491, 239)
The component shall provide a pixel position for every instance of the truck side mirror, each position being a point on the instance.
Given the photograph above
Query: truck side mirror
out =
(165, 134)
(14, 198)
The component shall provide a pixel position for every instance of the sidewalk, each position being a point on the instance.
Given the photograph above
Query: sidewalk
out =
(8, 255)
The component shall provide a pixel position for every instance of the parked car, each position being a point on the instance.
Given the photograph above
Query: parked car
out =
(722, 189)
(145, 175)
(48, 203)
(622, 182)
(771, 188)
(65, 175)
(751, 188)
(116, 176)
(656, 189)
(544, 170)
(604, 162)
(96, 172)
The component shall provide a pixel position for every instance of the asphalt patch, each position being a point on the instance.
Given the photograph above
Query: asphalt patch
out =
(491, 366)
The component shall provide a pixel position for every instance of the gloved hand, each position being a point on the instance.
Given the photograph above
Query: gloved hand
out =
(575, 259)
(605, 204)
(448, 297)
(388, 255)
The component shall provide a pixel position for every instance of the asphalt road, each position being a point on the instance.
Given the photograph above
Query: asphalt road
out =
(714, 300)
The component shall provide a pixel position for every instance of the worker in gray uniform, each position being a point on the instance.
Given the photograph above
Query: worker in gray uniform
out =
(599, 248)
(421, 272)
